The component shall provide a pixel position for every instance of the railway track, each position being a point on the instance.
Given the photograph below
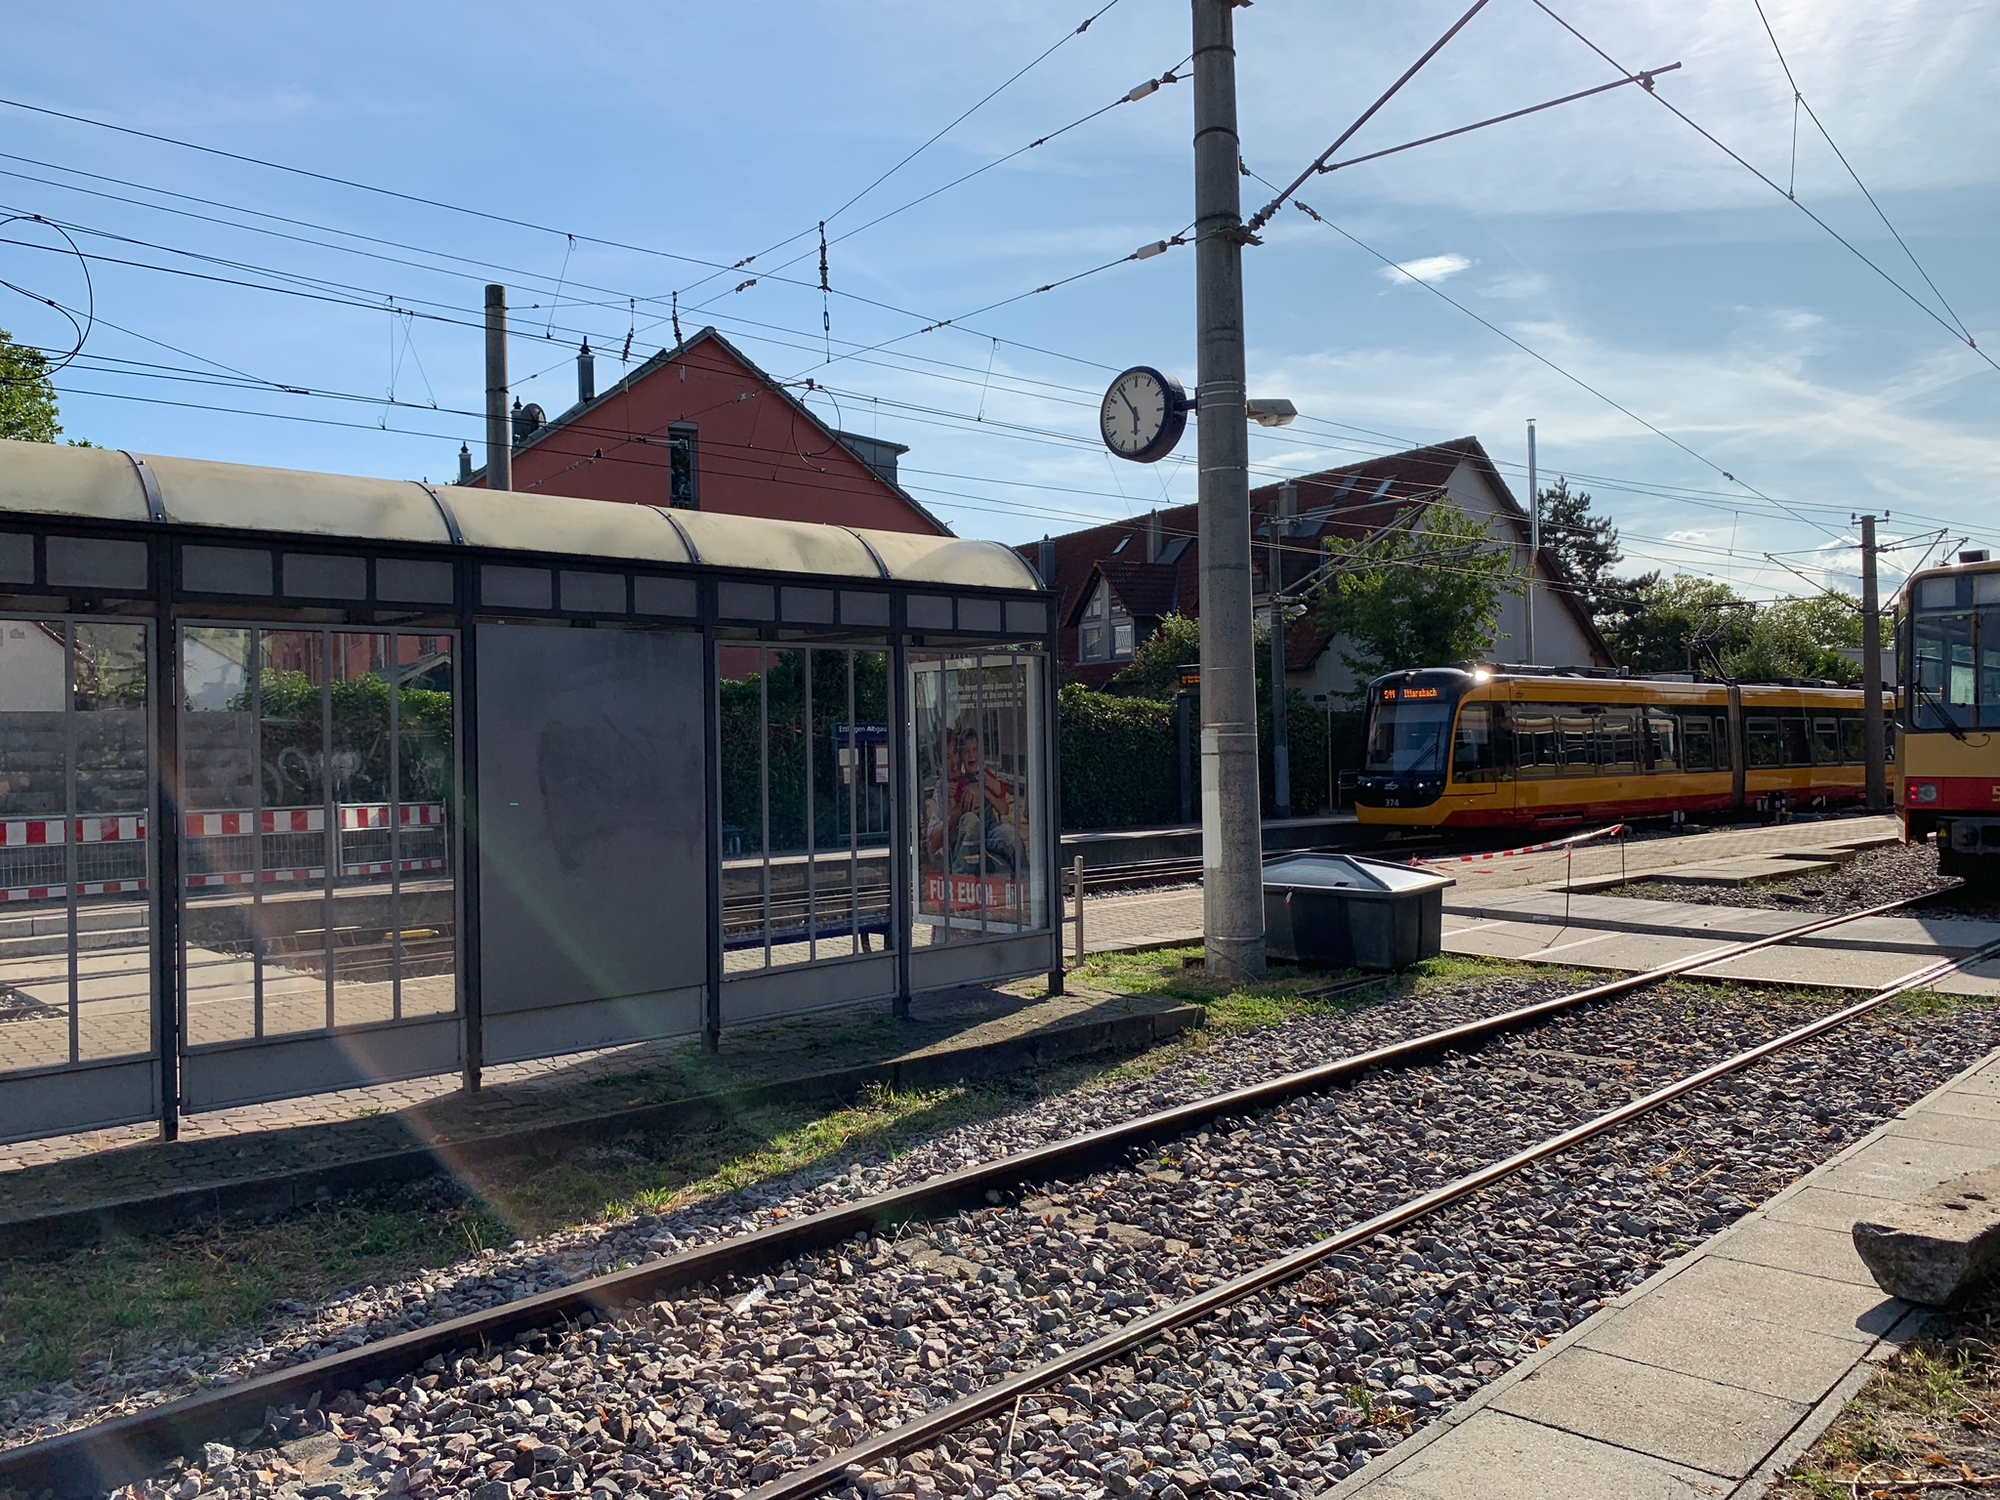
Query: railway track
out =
(91, 1460)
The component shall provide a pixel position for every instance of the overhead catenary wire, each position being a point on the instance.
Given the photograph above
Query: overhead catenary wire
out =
(1853, 249)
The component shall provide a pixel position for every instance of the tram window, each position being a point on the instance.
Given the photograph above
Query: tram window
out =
(1478, 751)
(1825, 742)
(1944, 678)
(1617, 744)
(1989, 652)
(1698, 741)
(1577, 734)
(1763, 743)
(1663, 745)
(1853, 739)
(1798, 741)
(1535, 743)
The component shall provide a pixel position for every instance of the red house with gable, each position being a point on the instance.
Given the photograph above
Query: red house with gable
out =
(701, 427)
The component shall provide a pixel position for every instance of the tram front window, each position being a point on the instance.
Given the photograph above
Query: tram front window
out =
(1955, 653)
(1409, 739)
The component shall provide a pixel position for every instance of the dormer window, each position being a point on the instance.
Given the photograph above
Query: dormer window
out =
(1106, 632)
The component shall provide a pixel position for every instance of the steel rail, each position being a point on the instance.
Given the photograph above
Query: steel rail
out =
(928, 1429)
(90, 1460)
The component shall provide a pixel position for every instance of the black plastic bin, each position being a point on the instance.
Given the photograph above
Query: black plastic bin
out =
(1340, 911)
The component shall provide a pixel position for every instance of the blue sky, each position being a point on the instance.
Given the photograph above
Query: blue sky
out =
(1607, 236)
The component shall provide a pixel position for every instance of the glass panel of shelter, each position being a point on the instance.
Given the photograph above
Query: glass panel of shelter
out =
(317, 787)
(75, 788)
(805, 804)
(976, 749)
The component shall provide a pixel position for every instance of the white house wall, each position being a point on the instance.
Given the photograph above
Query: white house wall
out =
(1559, 639)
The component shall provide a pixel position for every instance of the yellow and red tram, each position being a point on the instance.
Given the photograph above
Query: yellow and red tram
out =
(1947, 773)
(1478, 748)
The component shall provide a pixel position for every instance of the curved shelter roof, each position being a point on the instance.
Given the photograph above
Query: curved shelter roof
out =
(108, 485)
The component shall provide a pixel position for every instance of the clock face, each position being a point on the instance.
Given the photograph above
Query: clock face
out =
(1143, 415)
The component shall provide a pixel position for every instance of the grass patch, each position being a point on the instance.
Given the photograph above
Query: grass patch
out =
(1929, 1419)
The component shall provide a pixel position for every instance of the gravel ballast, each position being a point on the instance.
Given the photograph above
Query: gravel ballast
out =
(1282, 1395)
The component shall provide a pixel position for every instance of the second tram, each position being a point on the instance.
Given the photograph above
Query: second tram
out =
(1948, 660)
(1492, 748)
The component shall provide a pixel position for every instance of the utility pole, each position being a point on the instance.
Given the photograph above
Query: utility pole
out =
(499, 437)
(1232, 841)
(1874, 739)
(1534, 541)
(1281, 735)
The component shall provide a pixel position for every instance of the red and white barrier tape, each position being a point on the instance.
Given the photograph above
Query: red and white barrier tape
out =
(1574, 839)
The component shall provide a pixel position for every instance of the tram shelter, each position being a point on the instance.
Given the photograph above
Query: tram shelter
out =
(308, 781)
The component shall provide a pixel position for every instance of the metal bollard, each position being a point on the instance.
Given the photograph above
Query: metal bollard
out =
(1079, 908)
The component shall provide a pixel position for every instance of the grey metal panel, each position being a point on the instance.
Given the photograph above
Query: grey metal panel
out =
(863, 609)
(288, 1067)
(93, 562)
(558, 1029)
(981, 614)
(979, 963)
(743, 601)
(17, 557)
(592, 823)
(1027, 617)
(927, 612)
(806, 606)
(41, 1104)
(802, 987)
(225, 570)
(593, 593)
(663, 596)
(315, 575)
(515, 588)
(404, 580)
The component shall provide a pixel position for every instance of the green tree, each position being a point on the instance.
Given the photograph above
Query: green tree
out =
(27, 398)
(1585, 545)
(1155, 668)
(1653, 622)
(1416, 597)
(1800, 638)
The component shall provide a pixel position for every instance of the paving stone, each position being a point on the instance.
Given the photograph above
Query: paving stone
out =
(1948, 1129)
(1715, 1342)
(1724, 1430)
(1796, 1247)
(1814, 1304)
(1899, 1168)
(1494, 1456)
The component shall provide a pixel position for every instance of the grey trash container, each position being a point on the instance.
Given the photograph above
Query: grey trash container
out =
(1341, 911)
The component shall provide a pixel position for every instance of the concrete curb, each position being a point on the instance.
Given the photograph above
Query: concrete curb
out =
(281, 1192)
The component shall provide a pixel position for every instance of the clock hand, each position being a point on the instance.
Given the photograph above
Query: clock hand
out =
(1132, 408)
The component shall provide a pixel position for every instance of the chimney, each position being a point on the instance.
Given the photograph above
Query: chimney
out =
(1045, 562)
(464, 463)
(526, 420)
(586, 375)
(1152, 536)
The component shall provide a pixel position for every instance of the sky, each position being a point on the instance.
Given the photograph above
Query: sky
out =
(1728, 380)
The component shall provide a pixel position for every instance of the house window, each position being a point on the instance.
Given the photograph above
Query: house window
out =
(1106, 633)
(683, 468)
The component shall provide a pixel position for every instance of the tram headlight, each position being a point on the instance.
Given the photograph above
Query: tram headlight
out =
(1923, 791)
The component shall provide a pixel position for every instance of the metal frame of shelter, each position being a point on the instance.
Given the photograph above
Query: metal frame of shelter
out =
(308, 782)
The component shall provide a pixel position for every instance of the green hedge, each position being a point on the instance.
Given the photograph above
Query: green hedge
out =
(1121, 766)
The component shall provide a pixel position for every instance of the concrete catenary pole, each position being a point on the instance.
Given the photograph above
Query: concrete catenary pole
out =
(1231, 829)
(1874, 741)
(1534, 543)
(1281, 729)
(499, 437)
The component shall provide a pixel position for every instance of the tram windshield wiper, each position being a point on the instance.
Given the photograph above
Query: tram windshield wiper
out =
(1952, 726)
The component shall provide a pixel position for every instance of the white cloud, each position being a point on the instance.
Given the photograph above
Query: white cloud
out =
(1687, 536)
(1425, 268)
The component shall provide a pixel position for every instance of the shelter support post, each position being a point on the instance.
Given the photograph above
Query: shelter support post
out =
(166, 845)
(711, 718)
(904, 826)
(466, 693)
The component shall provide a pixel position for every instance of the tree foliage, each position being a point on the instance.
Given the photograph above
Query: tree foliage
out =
(1154, 671)
(1585, 545)
(27, 397)
(1672, 624)
(1419, 596)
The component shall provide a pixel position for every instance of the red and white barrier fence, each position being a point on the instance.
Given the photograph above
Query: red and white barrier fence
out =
(1614, 831)
(355, 817)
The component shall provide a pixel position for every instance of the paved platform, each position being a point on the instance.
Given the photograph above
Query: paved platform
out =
(1713, 1376)
(1624, 934)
